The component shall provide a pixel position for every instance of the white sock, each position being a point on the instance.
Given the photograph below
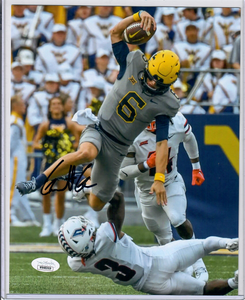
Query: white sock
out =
(47, 219)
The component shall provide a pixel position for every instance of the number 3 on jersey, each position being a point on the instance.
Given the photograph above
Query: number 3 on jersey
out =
(126, 110)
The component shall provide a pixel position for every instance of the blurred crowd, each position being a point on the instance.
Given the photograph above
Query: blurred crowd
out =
(65, 52)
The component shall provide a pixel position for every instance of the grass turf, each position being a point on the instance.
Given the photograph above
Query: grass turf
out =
(26, 280)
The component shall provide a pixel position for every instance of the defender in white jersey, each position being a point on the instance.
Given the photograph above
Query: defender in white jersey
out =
(140, 164)
(153, 270)
(140, 94)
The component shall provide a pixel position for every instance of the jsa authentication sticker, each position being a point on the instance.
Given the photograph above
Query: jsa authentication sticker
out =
(44, 264)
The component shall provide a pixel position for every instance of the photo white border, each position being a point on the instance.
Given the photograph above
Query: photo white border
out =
(5, 142)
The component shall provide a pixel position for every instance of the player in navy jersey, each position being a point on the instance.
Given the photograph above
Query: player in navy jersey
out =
(140, 94)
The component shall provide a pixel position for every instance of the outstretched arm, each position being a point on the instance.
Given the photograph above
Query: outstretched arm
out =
(116, 212)
(191, 147)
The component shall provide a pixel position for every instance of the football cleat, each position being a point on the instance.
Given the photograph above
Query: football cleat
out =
(233, 282)
(201, 274)
(26, 187)
(232, 245)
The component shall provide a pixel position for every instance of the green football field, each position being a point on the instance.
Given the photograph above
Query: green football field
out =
(26, 280)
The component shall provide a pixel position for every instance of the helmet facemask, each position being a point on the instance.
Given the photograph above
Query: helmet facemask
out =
(160, 87)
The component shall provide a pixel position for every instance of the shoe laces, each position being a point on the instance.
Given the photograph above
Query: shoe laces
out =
(200, 270)
(30, 184)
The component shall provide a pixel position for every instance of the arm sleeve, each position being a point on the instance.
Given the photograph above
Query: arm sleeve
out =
(162, 125)
(190, 145)
(120, 50)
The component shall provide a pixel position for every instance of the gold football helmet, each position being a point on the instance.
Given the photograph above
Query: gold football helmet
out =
(163, 67)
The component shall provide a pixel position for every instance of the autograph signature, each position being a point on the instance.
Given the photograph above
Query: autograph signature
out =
(73, 181)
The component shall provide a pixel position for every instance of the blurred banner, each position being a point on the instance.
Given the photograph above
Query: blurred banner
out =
(213, 206)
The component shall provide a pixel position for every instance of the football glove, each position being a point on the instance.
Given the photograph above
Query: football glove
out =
(197, 177)
(151, 161)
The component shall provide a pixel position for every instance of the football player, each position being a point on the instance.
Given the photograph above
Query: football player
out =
(153, 270)
(140, 164)
(140, 94)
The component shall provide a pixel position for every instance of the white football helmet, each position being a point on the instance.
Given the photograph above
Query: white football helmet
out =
(76, 236)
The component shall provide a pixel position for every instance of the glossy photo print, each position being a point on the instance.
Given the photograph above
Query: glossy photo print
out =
(122, 148)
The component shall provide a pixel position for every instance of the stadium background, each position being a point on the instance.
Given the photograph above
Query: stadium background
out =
(211, 206)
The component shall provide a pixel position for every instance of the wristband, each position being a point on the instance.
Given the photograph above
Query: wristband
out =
(160, 177)
(196, 165)
(136, 16)
(146, 165)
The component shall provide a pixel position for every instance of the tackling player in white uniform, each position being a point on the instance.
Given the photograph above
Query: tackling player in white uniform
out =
(153, 270)
(140, 164)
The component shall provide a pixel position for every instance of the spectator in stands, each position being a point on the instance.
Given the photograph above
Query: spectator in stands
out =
(18, 166)
(234, 60)
(45, 22)
(218, 31)
(104, 67)
(191, 16)
(189, 107)
(97, 33)
(93, 92)
(218, 87)
(37, 111)
(192, 53)
(26, 58)
(51, 55)
(20, 25)
(18, 85)
(165, 34)
(75, 26)
(56, 142)
(68, 85)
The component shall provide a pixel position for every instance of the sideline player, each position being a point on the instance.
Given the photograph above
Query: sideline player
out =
(153, 270)
(140, 94)
(140, 164)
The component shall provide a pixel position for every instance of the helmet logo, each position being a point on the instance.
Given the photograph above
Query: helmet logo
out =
(79, 231)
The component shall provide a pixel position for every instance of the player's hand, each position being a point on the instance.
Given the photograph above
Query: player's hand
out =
(159, 189)
(151, 161)
(147, 20)
(197, 177)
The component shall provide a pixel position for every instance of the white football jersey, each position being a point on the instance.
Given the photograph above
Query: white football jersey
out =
(197, 54)
(50, 56)
(145, 144)
(118, 259)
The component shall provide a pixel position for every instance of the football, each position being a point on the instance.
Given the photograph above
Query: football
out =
(135, 35)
